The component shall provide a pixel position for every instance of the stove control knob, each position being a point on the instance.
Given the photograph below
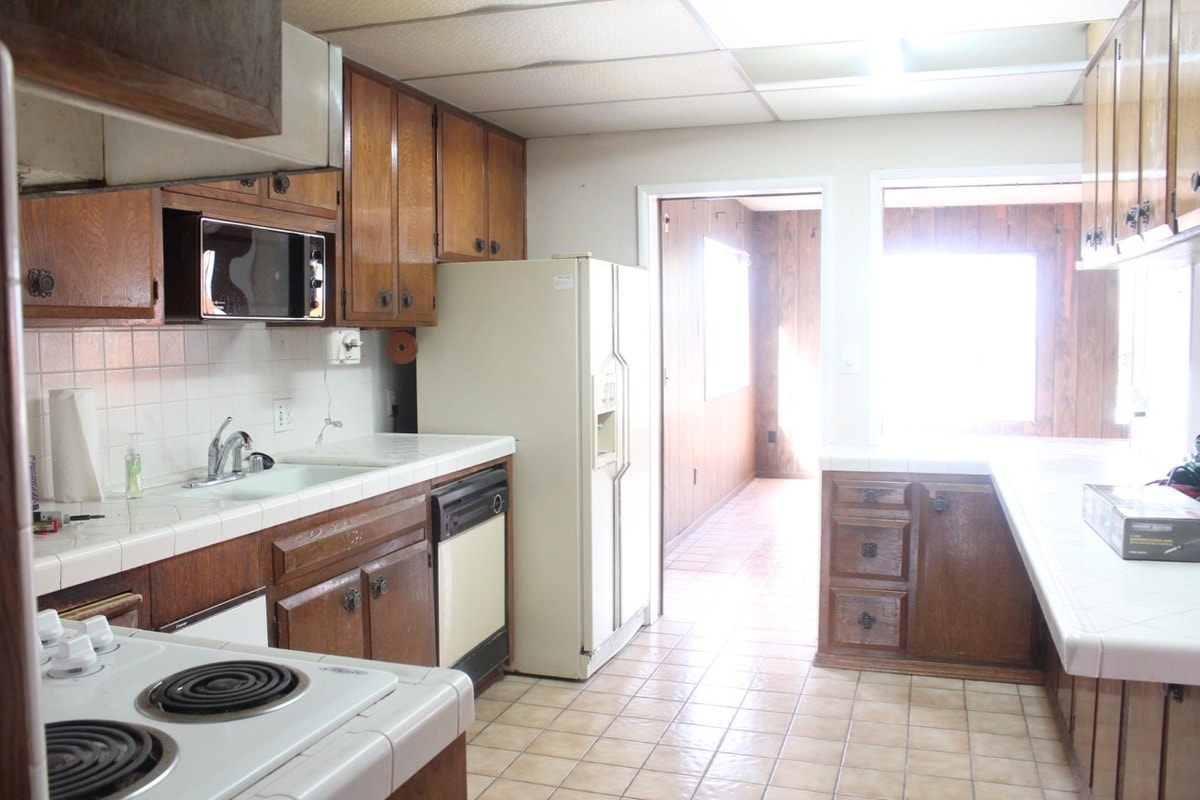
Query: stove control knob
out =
(97, 630)
(74, 658)
(49, 627)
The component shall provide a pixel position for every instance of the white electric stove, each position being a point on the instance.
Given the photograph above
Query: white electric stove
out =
(150, 719)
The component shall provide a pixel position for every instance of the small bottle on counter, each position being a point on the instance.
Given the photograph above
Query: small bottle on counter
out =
(133, 469)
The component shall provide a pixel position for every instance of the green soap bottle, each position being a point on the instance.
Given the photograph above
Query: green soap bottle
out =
(133, 469)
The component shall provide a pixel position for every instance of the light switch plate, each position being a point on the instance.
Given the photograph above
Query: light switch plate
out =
(851, 361)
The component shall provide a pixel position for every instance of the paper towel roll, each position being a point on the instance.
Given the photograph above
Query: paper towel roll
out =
(75, 445)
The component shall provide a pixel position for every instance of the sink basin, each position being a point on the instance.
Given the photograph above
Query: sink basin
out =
(280, 479)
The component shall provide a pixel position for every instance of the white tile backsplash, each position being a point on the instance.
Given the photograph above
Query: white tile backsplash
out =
(176, 385)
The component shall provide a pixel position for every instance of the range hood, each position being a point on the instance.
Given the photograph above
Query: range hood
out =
(69, 144)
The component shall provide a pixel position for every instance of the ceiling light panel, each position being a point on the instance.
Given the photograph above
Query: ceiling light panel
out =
(633, 115)
(600, 31)
(975, 93)
(579, 84)
(1037, 44)
(811, 62)
(768, 23)
(323, 15)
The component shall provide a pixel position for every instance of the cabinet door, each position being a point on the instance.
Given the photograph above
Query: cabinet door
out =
(974, 601)
(400, 586)
(369, 250)
(1127, 129)
(309, 192)
(1087, 219)
(1187, 110)
(1106, 96)
(462, 187)
(1181, 768)
(506, 197)
(1155, 209)
(416, 217)
(96, 256)
(327, 618)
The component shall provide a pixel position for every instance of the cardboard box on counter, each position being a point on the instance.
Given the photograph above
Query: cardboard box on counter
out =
(1147, 523)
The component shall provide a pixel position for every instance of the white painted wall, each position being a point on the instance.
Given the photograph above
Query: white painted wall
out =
(582, 195)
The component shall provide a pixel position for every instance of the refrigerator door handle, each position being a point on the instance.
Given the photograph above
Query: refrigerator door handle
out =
(623, 462)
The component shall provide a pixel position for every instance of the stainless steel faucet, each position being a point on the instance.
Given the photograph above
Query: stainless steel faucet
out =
(221, 451)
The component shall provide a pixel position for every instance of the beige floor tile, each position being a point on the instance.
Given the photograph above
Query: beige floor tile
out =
(1005, 770)
(819, 706)
(586, 722)
(784, 702)
(679, 673)
(678, 760)
(928, 787)
(662, 786)
(805, 775)
(894, 713)
(992, 701)
(934, 763)
(708, 694)
(489, 761)
(732, 678)
(599, 702)
(783, 793)
(990, 722)
(949, 741)
(574, 794)
(933, 682)
(999, 791)
(502, 789)
(1049, 751)
(883, 692)
(991, 744)
(752, 719)
(650, 708)
(830, 687)
(488, 710)
(561, 744)
(476, 784)
(938, 698)
(508, 737)
(778, 682)
(527, 715)
(665, 690)
(718, 789)
(876, 784)
(740, 767)
(880, 733)
(616, 684)
(684, 734)
(928, 717)
(702, 714)
(619, 752)
(636, 730)
(1057, 776)
(543, 770)
(832, 728)
(816, 751)
(625, 668)
(554, 696)
(1043, 728)
(607, 779)
(505, 690)
(752, 743)
(873, 756)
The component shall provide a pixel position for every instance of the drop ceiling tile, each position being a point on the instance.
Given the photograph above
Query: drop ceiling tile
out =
(767, 23)
(323, 15)
(633, 115)
(580, 84)
(600, 31)
(914, 97)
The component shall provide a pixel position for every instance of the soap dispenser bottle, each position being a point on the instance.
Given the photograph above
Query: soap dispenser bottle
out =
(133, 469)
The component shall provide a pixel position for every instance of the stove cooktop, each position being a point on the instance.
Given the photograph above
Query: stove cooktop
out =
(223, 753)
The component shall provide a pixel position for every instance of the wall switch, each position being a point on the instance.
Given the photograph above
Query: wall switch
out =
(851, 359)
(284, 416)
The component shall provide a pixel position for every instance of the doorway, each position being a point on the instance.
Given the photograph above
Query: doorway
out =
(740, 290)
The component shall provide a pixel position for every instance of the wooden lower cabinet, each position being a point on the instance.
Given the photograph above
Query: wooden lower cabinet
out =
(356, 581)
(920, 574)
(443, 778)
(123, 598)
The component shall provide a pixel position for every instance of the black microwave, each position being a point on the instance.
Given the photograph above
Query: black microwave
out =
(216, 269)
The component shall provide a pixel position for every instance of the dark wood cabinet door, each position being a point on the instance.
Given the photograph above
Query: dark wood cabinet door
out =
(308, 192)
(400, 587)
(416, 213)
(327, 618)
(1181, 768)
(974, 601)
(1156, 223)
(369, 221)
(1187, 110)
(1087, 218)
(1106, 95)
(91, 256)
(1127, 128)
(506, 197)
(462, 187)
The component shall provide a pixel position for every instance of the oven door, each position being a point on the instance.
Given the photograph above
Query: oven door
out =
(242, 620)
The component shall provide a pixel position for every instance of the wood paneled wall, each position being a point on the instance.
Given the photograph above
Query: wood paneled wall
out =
(708, 450)
(1076, 315)
(785, 274)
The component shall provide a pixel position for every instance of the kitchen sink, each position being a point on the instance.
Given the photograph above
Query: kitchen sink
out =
(280, 479)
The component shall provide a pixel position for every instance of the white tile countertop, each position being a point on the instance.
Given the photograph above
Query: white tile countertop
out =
(380, 748)
(1108, 617)
(137, 532)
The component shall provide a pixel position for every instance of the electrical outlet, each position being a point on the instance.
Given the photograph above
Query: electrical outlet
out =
(285, 419)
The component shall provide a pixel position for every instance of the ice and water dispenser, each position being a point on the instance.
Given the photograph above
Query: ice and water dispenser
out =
(604, 406)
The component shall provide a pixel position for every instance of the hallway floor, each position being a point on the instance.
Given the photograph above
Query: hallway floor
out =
(719, 698)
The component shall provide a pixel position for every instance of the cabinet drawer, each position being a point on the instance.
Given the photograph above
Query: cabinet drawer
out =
(335, 538)
(871, 493)
(859, 618)
(870, 548)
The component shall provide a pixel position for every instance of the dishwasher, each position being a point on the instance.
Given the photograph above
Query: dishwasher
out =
(470, 572)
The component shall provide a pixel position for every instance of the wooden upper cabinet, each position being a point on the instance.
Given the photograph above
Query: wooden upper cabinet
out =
(481, 191)
(1106, 95)
(314, 194)
(388, 266)
(1127, 129)
(1187, 110)
(92, 257)
(1088, 228)
(1155, 197)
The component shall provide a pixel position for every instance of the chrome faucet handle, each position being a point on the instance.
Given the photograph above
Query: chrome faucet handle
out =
(215, 448)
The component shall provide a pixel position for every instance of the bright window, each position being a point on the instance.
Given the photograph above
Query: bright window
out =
(726, 319)
(955, 340)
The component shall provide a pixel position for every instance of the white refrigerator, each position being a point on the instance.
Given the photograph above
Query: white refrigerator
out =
(556, 353)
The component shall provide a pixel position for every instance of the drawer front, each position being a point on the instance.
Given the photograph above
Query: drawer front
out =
(859, 618)
(870, 548)
(871, 493)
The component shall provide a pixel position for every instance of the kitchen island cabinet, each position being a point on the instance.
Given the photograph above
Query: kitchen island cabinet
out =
(920, 574)
(92, 258)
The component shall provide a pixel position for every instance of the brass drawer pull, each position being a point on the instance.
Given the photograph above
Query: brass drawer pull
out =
(353, 600)
(870, 495)
(866, 621)
(870, 550)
